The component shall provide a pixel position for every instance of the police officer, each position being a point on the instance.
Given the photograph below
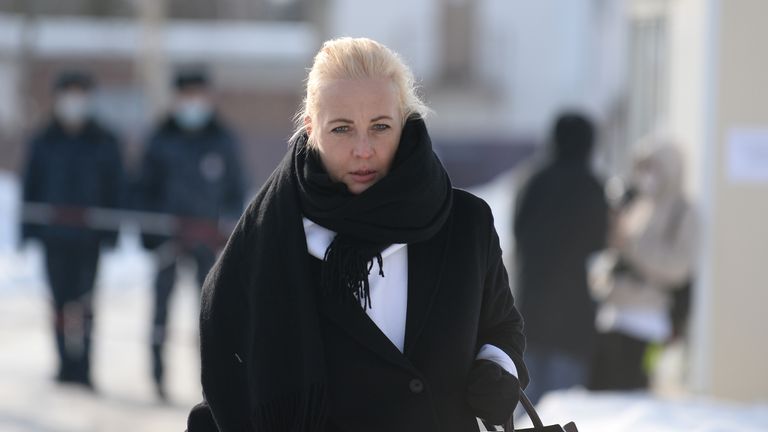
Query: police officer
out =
(190, 170)
(73, 164)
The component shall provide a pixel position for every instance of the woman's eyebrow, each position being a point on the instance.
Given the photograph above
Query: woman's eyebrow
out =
(340, 120)
(381, 117)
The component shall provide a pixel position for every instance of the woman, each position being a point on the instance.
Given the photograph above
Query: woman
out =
(653, 248)
(360, 291)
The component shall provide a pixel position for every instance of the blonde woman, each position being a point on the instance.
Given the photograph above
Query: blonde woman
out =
(360, 291)
(653, 248)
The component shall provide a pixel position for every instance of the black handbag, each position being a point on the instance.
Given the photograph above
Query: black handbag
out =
(538, 425)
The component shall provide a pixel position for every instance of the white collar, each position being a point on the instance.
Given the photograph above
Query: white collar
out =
(320, 237)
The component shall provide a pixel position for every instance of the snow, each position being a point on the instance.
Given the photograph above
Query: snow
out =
(642, 412)
(499, 193)
(31, 402)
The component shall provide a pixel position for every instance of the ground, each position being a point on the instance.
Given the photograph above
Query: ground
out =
(125, 401)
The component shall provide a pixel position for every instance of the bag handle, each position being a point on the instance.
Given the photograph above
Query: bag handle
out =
(529, 409)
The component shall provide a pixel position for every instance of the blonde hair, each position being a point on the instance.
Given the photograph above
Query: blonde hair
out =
(359, 58)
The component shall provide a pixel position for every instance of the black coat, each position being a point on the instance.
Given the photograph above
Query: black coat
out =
(82, 169)
(191, 174)
(561, 218)
(458, 299)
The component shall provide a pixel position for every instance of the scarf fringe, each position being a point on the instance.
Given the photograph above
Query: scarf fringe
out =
(345, 270)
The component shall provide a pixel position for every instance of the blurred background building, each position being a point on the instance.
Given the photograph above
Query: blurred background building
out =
(496, 72)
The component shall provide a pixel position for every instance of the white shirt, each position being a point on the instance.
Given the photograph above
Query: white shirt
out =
(389, 293)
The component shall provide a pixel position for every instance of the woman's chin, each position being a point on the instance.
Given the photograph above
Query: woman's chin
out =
(356, 188)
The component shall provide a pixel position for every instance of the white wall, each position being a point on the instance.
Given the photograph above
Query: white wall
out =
(9, 97)
(717, 85)
(534, 57)
(739, 344)
(687, 84)
(691, 65)
(10, 39)
(409, 27)
(548, 54)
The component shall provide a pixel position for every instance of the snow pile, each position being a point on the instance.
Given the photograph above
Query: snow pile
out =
(642, 412)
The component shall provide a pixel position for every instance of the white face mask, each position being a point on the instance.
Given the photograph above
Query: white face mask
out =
(72, 108)
(192, 114)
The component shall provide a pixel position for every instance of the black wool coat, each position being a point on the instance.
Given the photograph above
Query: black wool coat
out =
(458, 300)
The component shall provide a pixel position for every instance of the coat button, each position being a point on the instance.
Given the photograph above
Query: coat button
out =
(416, 385)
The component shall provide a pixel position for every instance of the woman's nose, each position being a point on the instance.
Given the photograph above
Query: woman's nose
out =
(363, 147)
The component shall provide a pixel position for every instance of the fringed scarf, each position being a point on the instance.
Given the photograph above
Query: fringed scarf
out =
(262, 354)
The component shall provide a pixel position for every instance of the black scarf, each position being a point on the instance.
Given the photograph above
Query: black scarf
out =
(273, 320)
(408, 205)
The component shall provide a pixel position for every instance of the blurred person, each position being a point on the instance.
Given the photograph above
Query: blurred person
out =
(360, 291)
(652, 249)
(191, 169)
(73, 163)
(560, 220)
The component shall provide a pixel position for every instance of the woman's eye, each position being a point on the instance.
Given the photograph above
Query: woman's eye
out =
(380, 126)
(340, 129)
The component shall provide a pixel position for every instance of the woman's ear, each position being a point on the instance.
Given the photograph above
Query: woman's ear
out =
(308, 124)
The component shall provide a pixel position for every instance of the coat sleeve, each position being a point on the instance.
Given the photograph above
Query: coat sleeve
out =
(524, 207)
(225, 335)
(148, 189)
(595, 226)
(234, 193)
(113, 176)
(113, 183)
(501, 325)
(149, 185)
(32, 186)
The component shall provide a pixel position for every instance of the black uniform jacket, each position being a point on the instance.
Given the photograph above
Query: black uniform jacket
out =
(80, 170)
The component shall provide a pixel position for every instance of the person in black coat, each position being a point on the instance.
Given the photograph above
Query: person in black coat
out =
(190, 170)
(73, 164)
(560, 220)
(360, 291)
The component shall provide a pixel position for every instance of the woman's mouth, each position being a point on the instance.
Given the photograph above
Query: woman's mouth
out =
(363, 176)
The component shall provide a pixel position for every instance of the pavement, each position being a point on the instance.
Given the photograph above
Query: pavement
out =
(124, 400)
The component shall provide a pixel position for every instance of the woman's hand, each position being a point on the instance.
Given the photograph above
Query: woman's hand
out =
(617, 236)
(492, 392)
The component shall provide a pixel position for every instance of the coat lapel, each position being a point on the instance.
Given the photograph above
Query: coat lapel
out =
(425, 269)
(351, 318)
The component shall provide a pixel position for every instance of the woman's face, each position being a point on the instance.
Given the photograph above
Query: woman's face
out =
(357, 130)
